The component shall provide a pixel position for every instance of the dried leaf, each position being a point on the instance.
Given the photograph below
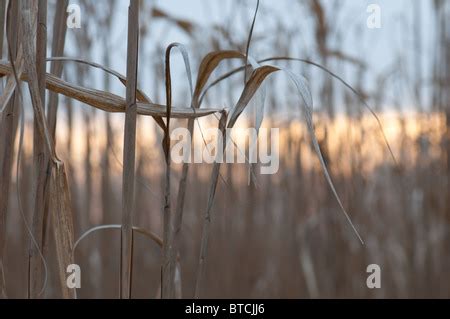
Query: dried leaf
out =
(110, 102)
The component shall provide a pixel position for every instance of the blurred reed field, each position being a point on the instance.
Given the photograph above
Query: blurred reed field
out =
(86, 175)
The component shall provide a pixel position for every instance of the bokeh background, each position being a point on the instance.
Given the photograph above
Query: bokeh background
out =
(282, 235)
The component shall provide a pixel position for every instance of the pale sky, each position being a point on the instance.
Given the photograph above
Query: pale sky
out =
(380, 48)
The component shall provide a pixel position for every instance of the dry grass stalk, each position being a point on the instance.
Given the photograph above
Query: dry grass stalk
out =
(2, 25)
(59, 198)
(8, 118)
(62, 221)
(141, 96)
(207, 66)
(167, 278)
(129, 152)
(59, 37)
(39, 221)
(107, 101)
(251, 87)
(207, 217)
(4, 206)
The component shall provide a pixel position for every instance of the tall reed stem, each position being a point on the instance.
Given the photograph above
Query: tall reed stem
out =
(129, 150)
(40, 161)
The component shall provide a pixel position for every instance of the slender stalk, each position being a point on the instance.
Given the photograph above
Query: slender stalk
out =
(107, 194)
(207, 217)
(7, 133)
(129, 150)
(59, 37)
(58, 193)
(41, 161)
(2, 25)
(167, 269)
(2, 209)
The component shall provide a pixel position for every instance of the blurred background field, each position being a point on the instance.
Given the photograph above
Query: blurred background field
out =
(285, 235)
